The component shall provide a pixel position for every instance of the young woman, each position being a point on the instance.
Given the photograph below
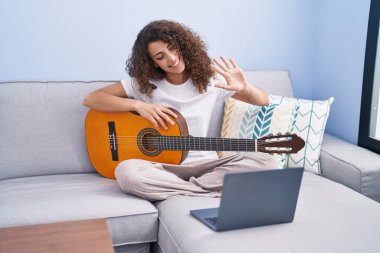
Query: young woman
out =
(169, 67)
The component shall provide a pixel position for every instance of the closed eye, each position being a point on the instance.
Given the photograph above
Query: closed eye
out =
(160, 57)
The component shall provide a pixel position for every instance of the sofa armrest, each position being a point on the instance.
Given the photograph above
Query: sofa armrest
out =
(350, 165)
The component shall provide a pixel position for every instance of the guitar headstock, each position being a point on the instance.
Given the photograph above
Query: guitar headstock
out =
(280, 143)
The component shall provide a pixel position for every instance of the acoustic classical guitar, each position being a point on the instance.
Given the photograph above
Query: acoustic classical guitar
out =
(116, 136)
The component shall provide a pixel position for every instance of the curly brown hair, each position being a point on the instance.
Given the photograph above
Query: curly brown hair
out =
(189, 45)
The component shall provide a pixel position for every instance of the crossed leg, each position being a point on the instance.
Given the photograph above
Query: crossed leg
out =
(157, 181)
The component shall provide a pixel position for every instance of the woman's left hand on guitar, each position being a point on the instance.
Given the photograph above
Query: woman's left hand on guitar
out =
(234, 75)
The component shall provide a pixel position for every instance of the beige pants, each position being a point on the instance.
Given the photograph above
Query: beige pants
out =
(157, 181)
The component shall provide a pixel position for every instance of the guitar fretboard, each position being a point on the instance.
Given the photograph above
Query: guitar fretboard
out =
(205, 143)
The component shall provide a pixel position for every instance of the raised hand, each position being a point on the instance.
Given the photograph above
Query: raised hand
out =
(234, 75)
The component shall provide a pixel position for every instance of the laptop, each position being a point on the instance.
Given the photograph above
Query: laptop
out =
(251, 199)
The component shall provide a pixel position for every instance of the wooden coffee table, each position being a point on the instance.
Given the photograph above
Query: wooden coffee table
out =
(73, 236)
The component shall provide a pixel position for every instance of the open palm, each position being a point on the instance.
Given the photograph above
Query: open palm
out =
(234, 75)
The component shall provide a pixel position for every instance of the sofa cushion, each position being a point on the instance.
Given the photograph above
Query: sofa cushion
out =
(42, 128)
(275, 82)
(329, 218)
(353, 166)
(57, 198)
(133, 248)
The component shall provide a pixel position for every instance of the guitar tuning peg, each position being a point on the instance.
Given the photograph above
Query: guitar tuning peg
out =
(270, 135)
(279, 133)
(288, 132)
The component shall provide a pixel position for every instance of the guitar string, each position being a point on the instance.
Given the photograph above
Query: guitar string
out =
(185, 137)
(189, 145)
(175, 136)
(188, 138)
(204, 139)
(215, 149)
(232, 149)
(172, 144)
(175, 145)
(196, 142)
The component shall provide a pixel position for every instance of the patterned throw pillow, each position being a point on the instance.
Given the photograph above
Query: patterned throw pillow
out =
(246, 121)
(310, 125)
(306, 118)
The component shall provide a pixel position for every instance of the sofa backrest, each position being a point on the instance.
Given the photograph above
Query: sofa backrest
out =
(42, 123)
(42, 128)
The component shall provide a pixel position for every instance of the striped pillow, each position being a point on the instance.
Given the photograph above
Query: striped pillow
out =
(306, 118)
(246, 121)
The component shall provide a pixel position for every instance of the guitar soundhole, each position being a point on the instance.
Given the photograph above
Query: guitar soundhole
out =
(147, 142)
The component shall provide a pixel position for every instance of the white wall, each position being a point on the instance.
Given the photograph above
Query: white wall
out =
(321, 42)
(90, 40)
(339, 52)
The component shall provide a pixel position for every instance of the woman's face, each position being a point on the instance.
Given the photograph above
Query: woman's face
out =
(166, 57)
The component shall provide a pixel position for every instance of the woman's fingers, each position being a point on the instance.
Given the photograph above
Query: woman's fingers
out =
(234, 63)
(160, 120)
(161, 116)
(228, 64)
(158, 115)
(217, 70)
(222, 66)
(153, 121)
(165, 116)
(170, 112)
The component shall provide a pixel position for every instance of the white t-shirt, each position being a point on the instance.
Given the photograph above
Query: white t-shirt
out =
(194, 106)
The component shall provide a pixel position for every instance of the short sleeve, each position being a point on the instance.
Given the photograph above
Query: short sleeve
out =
(130, 88)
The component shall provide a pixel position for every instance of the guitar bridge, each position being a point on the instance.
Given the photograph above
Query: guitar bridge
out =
(112, 140)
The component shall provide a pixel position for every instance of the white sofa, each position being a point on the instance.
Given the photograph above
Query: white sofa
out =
(46, 177)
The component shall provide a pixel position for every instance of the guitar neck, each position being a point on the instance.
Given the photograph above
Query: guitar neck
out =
(205, 144)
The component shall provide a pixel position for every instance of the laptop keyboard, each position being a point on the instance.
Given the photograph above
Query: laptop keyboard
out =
(212, 220)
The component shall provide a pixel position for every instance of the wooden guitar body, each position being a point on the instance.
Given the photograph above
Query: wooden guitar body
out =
(112, 137)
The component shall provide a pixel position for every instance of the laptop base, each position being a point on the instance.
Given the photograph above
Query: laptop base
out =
(203, 215)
